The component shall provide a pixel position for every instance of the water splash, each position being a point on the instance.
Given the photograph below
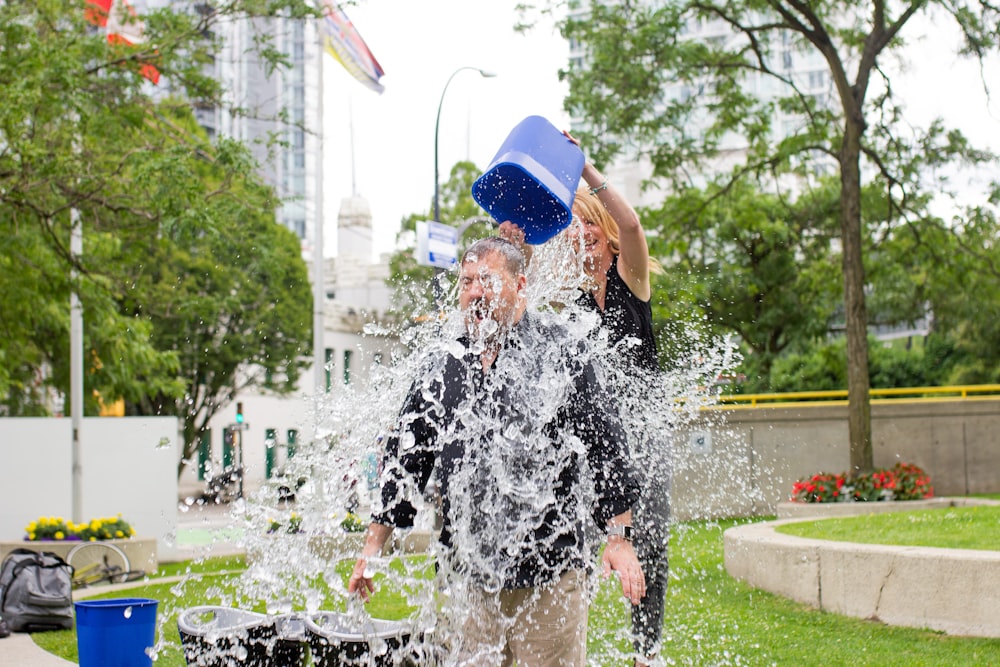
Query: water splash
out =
(500, 500)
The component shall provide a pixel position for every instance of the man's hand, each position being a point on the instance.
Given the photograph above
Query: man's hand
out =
(359, 583)
(375, 539)
(620, 557)
(508, 230)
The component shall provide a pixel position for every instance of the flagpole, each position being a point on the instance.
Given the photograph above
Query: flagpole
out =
(76, 365)
(319, 291)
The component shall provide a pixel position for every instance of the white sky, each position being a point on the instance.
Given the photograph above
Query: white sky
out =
(420, 44)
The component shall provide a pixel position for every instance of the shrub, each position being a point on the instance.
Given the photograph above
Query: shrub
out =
(352, 523)
(57, 528)
(912, 483)
(294, 524)
(901, 482)
(820, 488)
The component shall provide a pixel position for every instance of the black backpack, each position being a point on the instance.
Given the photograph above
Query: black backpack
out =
(36, 591)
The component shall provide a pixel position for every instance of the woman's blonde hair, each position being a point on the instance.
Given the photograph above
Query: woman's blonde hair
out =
(594, 211)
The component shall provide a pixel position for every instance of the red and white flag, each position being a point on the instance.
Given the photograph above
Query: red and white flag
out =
(123, 26)
(344, 43)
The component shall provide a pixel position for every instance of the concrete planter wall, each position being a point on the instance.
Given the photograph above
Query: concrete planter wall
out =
(141, 551)
(793, 510)
(956, 591)
(743, 462)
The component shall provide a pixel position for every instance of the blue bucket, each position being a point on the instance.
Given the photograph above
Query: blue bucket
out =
(532, 180)
(115, 633)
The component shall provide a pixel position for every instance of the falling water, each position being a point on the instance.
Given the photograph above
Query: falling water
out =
(299, 553)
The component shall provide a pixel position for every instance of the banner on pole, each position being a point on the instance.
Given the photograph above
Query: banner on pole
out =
(123, 27)
(344, 43)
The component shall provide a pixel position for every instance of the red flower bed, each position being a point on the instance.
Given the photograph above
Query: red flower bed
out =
(904, 481)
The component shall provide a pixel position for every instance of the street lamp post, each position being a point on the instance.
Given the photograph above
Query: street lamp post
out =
(437, 126)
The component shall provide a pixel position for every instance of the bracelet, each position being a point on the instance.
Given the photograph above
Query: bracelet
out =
(602, 186)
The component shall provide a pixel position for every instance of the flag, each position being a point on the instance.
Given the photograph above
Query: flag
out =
(345, 44)
(119, 20)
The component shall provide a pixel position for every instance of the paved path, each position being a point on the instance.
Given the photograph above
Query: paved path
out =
(20, 650)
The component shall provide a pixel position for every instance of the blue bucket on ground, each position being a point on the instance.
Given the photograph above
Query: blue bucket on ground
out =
(116, 632)
(532, 180)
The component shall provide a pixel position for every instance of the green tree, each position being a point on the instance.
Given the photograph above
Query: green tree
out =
(646, 87)
(229, 295)
(752, 264)
(964, 292)
(413, 284)
(164, 214)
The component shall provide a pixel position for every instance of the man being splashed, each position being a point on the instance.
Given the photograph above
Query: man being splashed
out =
(514, 426)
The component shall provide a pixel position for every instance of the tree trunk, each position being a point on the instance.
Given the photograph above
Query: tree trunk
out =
(858, 383)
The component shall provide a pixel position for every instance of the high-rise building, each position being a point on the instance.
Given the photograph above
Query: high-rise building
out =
(807, 69)
(274, 112)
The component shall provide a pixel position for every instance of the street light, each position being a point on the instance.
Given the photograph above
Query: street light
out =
(437, 125)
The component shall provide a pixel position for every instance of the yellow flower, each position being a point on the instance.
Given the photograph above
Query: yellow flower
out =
(32, 526)
(31, 536)
(119, 534)
(59, 535)
(93, 539)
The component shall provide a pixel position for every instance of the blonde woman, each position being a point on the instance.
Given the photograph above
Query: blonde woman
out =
(617, 262)
(607, 231)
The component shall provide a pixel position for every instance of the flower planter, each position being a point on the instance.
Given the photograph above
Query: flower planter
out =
(798, 510)
(141, 551)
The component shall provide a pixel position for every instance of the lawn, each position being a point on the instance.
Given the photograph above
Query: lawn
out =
(976, 527)
(711, 619)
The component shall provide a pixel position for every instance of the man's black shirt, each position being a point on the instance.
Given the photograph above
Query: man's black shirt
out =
(519, 455)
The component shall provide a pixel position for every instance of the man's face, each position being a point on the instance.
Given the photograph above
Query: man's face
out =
(488, 294)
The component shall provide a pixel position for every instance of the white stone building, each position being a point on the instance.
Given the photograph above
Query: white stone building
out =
(357, 294)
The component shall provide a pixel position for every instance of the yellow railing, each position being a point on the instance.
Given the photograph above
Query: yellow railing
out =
(839, 396)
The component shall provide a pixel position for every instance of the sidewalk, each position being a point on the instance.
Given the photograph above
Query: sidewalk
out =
(201, 532)
(20, 650)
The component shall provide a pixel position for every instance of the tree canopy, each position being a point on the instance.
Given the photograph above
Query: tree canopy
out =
(190, 289)
(689, 85)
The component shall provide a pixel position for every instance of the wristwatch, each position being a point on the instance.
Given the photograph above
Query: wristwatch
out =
(625, 532)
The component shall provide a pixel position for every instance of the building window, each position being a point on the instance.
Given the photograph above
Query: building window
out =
(347, 366)
(328, 368)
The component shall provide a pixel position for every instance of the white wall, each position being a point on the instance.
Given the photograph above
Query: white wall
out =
(129, 468)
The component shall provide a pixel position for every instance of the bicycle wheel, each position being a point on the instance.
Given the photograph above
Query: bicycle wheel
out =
(107, 557)
(128, 576)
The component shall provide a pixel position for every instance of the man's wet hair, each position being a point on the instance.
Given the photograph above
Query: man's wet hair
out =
(513, 257)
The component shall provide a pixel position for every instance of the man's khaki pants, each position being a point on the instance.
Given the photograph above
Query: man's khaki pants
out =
(536, 627)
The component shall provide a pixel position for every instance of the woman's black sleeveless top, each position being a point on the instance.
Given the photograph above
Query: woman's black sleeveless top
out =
(625, 316)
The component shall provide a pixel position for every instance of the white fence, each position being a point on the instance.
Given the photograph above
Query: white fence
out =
(129, 468)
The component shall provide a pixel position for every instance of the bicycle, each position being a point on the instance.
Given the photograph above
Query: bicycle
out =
(224, 487)
(100, 563)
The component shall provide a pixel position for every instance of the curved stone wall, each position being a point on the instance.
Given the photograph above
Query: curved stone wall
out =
(956, 591)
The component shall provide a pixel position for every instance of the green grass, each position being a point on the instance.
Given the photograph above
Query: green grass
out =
(218, 564)
(711, 620)
(976, 527)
